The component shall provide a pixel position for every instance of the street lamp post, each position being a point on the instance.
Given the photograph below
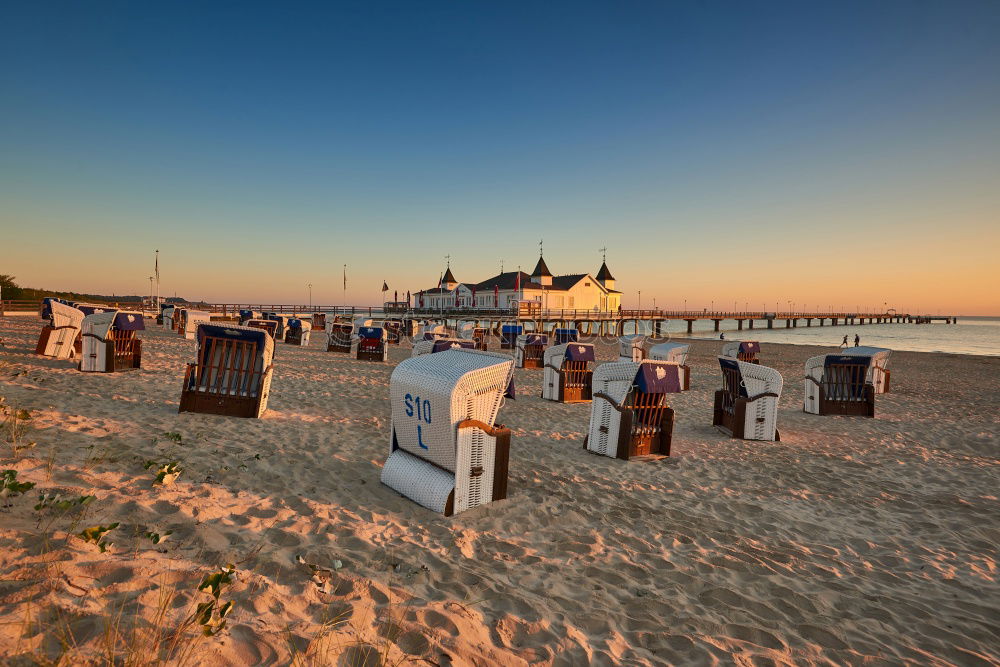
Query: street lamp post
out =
(310, 296)
(640, 301)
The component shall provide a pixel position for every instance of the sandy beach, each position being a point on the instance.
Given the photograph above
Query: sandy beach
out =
(850, 541)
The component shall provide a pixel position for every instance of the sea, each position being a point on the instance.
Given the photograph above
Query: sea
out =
(971, 335)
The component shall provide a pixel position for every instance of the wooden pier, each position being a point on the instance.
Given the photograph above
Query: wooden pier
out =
(586, 321)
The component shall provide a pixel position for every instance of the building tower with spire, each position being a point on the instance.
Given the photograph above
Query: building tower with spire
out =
(541, 274)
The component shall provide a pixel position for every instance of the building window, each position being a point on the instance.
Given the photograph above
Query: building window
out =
(572, 303)
(586, 284)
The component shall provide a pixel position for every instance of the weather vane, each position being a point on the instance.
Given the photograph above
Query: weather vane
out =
(604, 253)
(539, 247)
(447, 258)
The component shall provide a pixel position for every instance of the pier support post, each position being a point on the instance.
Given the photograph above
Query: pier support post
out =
(788, 324)
(770, 323)
(690, 326)
(809, 322)
(716, 324)
(739, 325)
(750, 323)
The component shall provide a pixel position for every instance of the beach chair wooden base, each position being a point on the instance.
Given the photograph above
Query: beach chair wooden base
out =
(860, 408)
(343, 348)
(377, 354)
(294, 337)
(43, 339)
(735, 421)
(159, 319)
(212, 403)
(534, 356)
(575, 384)
(645, 441)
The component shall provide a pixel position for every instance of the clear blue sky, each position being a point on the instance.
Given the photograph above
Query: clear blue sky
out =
(262, 146)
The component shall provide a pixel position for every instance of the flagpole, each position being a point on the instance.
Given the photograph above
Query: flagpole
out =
(345, 288)
(157, 273)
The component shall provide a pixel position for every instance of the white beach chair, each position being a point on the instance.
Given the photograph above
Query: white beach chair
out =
(632, 347)
(58, 338)
(879, 369)
(110, 341)
(232, 374)
(298, 332)
(839, 384)
(168, 317)
(339, 336)
(440, 345)
(567, 373)
(747, 405)
(445, 452)
(192, 320)
(630, 415)
(676, 353)
(530, 350)
(746, 350)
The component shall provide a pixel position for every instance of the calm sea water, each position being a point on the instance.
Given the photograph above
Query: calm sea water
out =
(972, 335)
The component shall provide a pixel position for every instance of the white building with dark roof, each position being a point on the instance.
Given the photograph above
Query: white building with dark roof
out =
(576, 291)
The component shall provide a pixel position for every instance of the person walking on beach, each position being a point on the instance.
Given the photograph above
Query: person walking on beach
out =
(843, 343)
(857, 340)
(722, 336)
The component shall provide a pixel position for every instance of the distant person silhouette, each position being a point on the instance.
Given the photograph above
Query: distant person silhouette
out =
(843, 343)
(722, 336)
(857, 340)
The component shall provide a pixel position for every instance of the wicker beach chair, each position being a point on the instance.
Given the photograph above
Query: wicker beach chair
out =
(282, 320)
(232, 374)
(318, 321)
(568, 372)
(445, 451)
(879, 370)
(630, 415)
(747, 404)
(338, 336)
(297, 332)
(168, 317)
(530, 350)
(470, 331)
(747, 350)
(111, 342)
(632, 347)
(440, 345)
(59, 337)
(839, 384)
(192, 320)
(178, 319)
(270, 326)
(371, 344)
(159, 315)
(509, 334)
(676, 353)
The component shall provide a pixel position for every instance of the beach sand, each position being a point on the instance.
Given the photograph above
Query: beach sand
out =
(851, 541)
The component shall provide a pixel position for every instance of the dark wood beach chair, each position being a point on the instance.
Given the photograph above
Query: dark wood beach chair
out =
(338, 337)
(839, 384)
(232, 375)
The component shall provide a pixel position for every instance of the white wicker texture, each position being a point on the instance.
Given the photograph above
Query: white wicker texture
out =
(676, 352)
(731, 349)
(760, 379)
(466, 330)
(552, 356)
(879, 366)
(632, 347)
(614, 379)
(168, 317)
(430, 395)
(814, 369)
(422, 482)
(194, 318)
(67, 321)
(94, 332)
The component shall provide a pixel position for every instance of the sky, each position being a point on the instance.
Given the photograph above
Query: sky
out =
(822, 154)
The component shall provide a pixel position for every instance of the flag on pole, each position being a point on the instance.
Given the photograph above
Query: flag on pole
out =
(407, 298)
(473, 297)
(496, 296)
(345, 276)
(457, 303)
(385, 286)
(517, 281)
